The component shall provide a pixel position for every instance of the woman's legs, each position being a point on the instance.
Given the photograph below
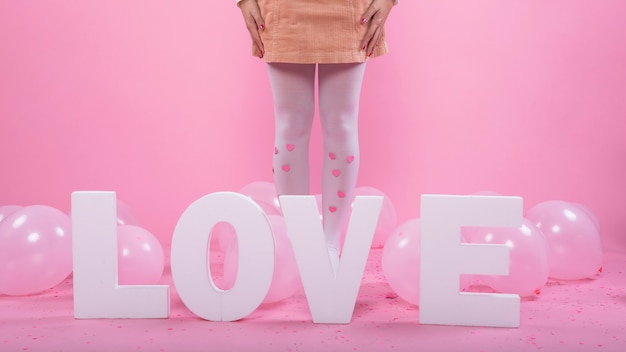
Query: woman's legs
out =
(294, 105)
(339, 93)
(293, 88)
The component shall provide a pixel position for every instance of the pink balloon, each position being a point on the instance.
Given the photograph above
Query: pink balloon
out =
(140, 256)
(125, 214)
(224, 235)
(574, 241)
(6, 210)
(286, 279)
(529, 266)
(401, 260)
(35, 250)
(387, 221)
(264, 194)
(594, 217)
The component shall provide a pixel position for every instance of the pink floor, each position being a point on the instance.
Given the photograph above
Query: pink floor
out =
(567, 316)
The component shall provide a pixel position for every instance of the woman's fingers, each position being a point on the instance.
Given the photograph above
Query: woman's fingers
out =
(371, 37)
(254, 23)
(374, 17)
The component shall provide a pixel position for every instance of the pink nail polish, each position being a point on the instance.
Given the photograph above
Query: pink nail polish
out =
(262, 26)
(363, 20)
(370, 54)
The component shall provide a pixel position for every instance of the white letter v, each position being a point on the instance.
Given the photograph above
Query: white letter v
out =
(331, 294)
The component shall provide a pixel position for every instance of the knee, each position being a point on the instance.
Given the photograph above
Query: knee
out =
(294, 126)
(339, 127)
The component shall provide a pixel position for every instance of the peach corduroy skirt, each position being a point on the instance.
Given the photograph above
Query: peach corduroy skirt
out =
(315, 31)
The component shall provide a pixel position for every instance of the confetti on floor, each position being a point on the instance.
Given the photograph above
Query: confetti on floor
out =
(587, 315)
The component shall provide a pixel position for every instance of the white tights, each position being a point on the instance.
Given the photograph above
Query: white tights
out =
(294, 108)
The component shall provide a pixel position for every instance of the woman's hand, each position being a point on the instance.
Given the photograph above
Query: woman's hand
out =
(375, 16)
(254, 22)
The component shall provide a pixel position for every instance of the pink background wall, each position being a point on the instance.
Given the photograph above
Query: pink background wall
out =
(161, 102)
